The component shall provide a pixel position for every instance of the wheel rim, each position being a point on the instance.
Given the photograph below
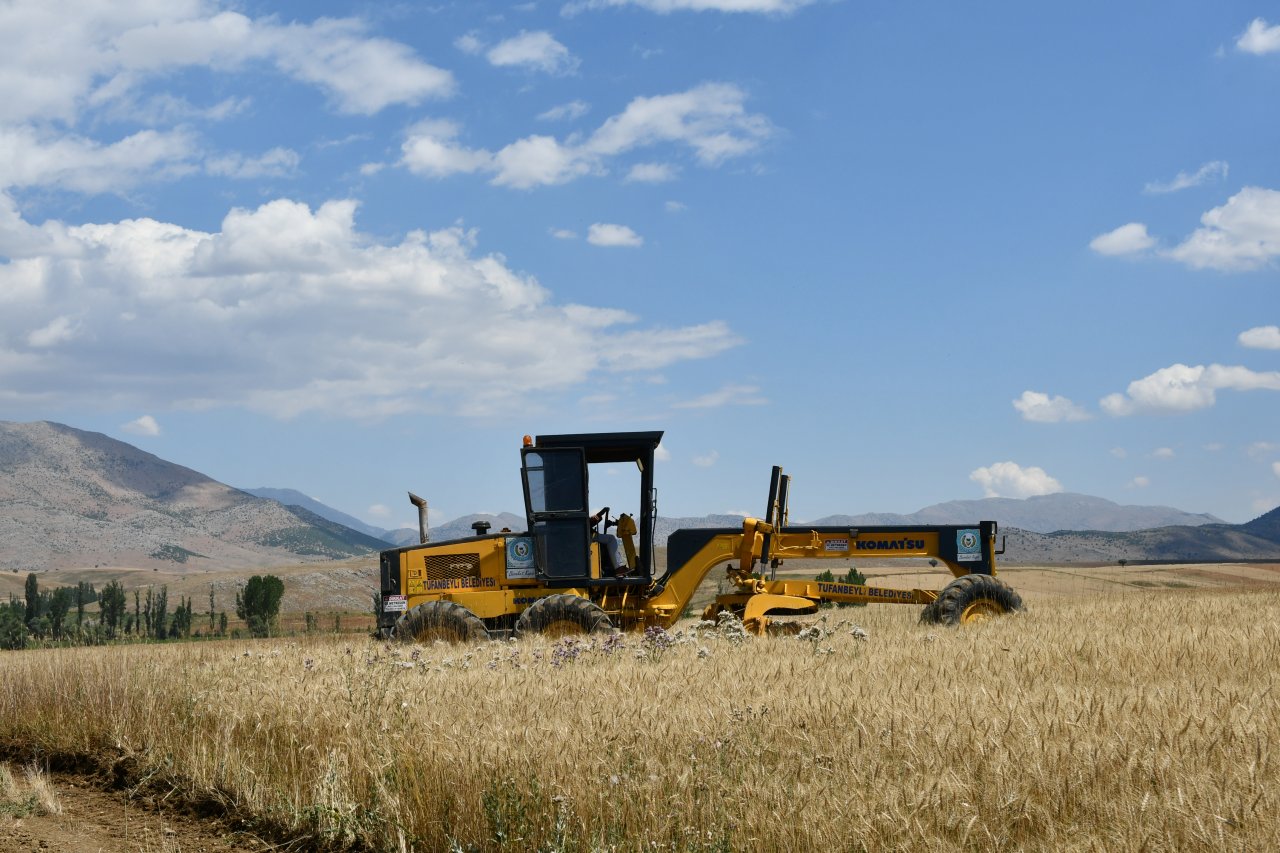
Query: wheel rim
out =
(562, 628)
(980, 611)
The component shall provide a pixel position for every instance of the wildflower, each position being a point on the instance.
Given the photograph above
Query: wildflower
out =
(859, 634)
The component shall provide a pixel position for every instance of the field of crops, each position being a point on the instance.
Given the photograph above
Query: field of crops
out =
(1143, 721)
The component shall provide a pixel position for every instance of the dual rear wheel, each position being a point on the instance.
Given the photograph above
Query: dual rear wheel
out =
(554, 616)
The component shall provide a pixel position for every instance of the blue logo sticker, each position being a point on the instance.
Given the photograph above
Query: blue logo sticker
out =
(968, 546)
(519, 552)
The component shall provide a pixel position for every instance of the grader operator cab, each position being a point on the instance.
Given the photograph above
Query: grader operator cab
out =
(557, 577)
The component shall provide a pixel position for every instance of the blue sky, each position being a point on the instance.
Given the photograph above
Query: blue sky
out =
(911, 252)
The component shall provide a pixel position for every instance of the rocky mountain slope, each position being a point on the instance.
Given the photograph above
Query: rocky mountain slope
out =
(75, 498)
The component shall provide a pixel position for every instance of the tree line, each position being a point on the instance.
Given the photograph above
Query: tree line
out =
(47, 615)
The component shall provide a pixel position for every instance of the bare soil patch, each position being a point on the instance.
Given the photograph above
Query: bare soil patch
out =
(104, 821)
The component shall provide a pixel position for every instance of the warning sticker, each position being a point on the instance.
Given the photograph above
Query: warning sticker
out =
(968, 546)
(395, 604)
(835, 544)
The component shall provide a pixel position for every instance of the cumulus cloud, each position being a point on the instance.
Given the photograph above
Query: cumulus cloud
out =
(766, 7)
(431, 149)
(710, 120)
(145, 425)
(1243, 234)
(1011, 480)
(1261, 337)
(287, 309)
(1139, 482)
(1184, 180)
(607, 234)
(1182, 388)
(1129, 239)
(661, 453)
(1259, 38)
(30, 158)
(536, 51)
(1041, 408)
(104, 51)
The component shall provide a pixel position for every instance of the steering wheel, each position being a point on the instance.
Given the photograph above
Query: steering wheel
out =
(605, 523)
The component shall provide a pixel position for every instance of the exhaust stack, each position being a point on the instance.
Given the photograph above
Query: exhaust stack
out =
(421, 504)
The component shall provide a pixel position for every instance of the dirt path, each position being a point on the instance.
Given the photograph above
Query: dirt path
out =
(98, 821)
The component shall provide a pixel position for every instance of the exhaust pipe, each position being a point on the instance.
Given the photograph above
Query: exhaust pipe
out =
(422, 517)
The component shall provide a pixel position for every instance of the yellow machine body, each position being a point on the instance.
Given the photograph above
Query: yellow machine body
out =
(496, 578)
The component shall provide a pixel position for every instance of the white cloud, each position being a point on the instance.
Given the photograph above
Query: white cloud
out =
(565, 112)
(58, 330)
(651, 173)
(661, 453)
(278, 162)
(1183, 180)
(675, 206)
(430, 149)
(1258, 449)
(1139, 482)
(709, 119)
(61, 59)
(1259, 38)
(1243, 234)
(539, 161)
(767, 7)
(1275, 467)
(1119, 452)
(287, 310)
(1261, 337)
(1041, 408)
(536, 51)
(608, 234)
(378, 511)
(1163, 453)
(1180, 388)
(564, 234)
(1128, 239)
(1214, 446)
(1011, 480)
(31, 158)
(729, 395)
(145, 425)
(706, 460)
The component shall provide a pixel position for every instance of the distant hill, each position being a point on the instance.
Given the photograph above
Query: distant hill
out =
(74, 498)
(1041, 514)
(293, 497)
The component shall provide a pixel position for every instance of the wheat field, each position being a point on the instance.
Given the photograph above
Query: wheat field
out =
(1142, 722)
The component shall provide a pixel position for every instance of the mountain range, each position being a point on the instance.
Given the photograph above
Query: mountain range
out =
(71, 498)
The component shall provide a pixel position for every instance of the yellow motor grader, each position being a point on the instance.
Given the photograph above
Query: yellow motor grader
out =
(555, 577)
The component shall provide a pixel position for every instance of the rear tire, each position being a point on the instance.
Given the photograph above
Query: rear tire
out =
(563, 615)
(971, 599)
(440, 620)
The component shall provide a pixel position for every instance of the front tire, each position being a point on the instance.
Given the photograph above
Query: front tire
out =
(563, 615)
(971, 599)
(440, 620)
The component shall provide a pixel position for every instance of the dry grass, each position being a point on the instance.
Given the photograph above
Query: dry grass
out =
(1145, 721)
(40, 796)
(42, 790)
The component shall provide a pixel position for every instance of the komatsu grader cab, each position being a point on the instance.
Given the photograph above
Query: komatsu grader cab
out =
(554, 577)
